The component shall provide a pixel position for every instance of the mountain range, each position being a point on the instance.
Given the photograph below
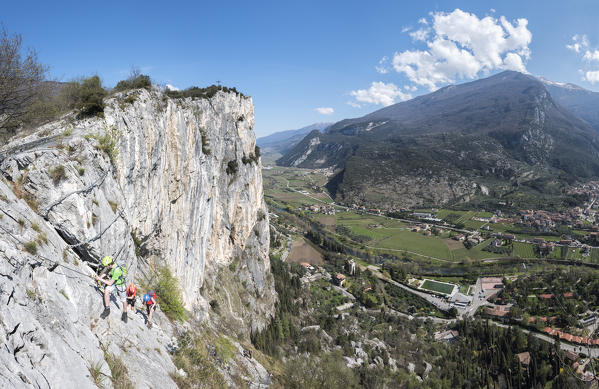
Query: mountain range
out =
(283, 141)
(510, 136)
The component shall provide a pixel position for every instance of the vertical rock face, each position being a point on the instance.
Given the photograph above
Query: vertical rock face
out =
(175, 180)
(193, 188)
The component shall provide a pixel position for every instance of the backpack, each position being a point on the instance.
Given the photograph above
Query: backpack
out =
(119, 274)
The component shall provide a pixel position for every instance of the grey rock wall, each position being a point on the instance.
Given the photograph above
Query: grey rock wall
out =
(155, 169)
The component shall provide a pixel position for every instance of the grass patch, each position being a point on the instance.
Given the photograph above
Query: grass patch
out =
(58, 174)
(224, 348)
(62, 292)
(31, 201)
(108, 144)
(193, 358)
(30, 247)
(30, 294)
(113, 205)
(41, 239)
(118, 371)
(36, 227)
(524, 250)
(95, 370)
(130, 99)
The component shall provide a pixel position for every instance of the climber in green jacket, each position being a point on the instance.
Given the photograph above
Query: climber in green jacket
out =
(114, 280)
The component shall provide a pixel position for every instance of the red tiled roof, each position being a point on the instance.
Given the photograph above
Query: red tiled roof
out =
(568, 295)
(545, 296)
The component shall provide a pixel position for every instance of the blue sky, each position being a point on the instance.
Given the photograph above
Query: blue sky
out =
(293, 58)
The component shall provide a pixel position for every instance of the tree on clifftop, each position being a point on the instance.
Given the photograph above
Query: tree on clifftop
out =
(21, 76)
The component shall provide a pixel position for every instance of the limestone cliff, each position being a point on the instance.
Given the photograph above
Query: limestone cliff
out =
(156, 181)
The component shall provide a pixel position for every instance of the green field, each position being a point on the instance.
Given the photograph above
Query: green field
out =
(393, 234)
(475, 252)
(524, 250)
(380, 234)
(437, 287)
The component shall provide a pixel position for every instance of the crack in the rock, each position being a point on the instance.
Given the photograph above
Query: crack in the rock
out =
(11, 333)
(83, 254)
(7, 214)
(24, 378)
(17, 349)
(11, 296)
(84, 190)
(47, 382)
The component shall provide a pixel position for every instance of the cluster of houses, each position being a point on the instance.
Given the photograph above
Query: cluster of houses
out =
(362, 208)
(426, 216)
(324, 208)
(475, 238)
(350, 268)
(570, 338)
(424, 228)
(571, 357)
(545, 221)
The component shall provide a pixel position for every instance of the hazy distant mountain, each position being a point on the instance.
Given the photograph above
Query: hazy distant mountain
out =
(484, 137)
(283, 141)
(581, 102)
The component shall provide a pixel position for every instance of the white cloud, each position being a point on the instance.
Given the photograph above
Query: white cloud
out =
(579, 42)
(513, 61)
(354, 104)
(382, 67)
(324, 110)
(591, 55)
(460, 45)
(422, 21)
(171, 87)
(406, 29)
(492, 10)
(420, 34)
(580, 45)
(592, 76)
(411, 88)
(380, 93)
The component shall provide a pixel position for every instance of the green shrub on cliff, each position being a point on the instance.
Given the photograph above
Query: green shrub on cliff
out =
(196, 92)
(86, 95)
(169, 295)
(135, 81)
